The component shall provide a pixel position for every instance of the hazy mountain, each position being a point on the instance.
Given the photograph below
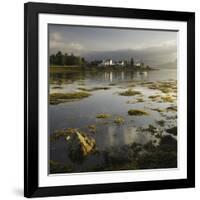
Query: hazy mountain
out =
(156, 56)
(168, 65)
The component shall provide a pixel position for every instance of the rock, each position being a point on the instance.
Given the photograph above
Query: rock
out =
(172, 130)
(80, 146)
(137, 112)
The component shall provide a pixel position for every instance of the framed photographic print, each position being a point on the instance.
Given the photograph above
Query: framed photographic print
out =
(109, 99)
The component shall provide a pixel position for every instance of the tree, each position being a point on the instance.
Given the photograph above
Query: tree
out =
(59, 58)
(132, 62)
(66, 59)
(52, 59)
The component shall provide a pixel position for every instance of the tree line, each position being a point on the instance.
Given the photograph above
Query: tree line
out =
(66, 59)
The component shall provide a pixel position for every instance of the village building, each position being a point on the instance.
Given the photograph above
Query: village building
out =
(107, 62)
(110, 62)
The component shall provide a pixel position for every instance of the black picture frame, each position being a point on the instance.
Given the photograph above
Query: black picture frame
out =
(31, 12)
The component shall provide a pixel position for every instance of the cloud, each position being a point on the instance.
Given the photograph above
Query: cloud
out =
(58, 43)
(153, 55)
(56, 36)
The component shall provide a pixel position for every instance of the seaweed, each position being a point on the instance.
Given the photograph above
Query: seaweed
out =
(129, 93)
(158, 109)
(93, 89)
(167, 98)
(57, 87)
(119, 120)
(137, 112)
(56, 98)
(172, 130)
(103, 116)
(92, 128)
(160, 122)
(171, 108)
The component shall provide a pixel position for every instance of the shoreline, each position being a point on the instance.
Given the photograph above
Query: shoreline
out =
(95, 68)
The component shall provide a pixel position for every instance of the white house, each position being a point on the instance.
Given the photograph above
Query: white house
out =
(110, 62)
(107, 62)
(121, 63)
(138, 64)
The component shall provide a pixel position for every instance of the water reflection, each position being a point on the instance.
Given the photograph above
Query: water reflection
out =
(111, 76)
(80, 114)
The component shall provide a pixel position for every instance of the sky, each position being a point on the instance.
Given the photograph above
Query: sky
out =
(154, 47)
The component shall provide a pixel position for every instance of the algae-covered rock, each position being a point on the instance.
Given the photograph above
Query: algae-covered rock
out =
(137, 112)
(172, 130)
(103, 116)
(129, 93)
(56, 98)
(171, 109)
(160, 122)
(92, 128)
(93, 89)
(119, 120)
(158, 109)
(80, 146)
(167, 98)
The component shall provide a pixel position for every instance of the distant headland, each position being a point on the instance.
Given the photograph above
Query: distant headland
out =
(70, 60)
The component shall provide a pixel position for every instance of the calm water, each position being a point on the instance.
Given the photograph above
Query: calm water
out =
(82, 113)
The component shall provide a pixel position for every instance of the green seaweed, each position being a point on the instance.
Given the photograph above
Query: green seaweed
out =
(92, 128)
(171, 108)
(158, 109)
(172, 130)
(103, 116)
(167, 98)
(163, 86)
(119, 120)
(154, 97)
(129, 93)
(137, 112)
(160, 122)
(57, 87)
(56, 98)
(93, 89)
(139, 100)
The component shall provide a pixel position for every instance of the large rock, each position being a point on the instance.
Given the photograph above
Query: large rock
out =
(80, 146)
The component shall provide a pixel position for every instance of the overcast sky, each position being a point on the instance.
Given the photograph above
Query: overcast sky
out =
(150, 46)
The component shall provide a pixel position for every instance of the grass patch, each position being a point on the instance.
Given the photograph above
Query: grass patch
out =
(157, 109)
(57, 87)
(139, 100)
(119, 120)
(56, 98)
(137, 112)
(103, 116)
(171, 108)
(112, 84)
(131, 85)
(62, 133)
(130, 93)
(154, 97)
(167, 98)
(151, 128)
(172, 130)
(93, 89)
(92, 128)
(160, 122)
(165, 87)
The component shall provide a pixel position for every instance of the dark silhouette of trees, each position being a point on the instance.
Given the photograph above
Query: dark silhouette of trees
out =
(66, 59)
(132, 62)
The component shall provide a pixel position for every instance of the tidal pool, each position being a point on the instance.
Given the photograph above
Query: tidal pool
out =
(122, 141)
